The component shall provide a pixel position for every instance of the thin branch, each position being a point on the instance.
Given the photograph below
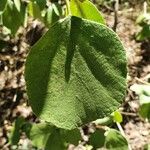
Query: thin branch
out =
(102, 127)
(141, 81)
(129, 114)
(123, 133)
(116, 8)
(145, 8)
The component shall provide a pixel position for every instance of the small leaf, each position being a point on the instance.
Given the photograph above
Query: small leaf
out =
(144, 110)
(39, 134)
(117, 117)
(72, 74)
(55, 141)
(115, 141)
(71, 136)
(3, 44)
(143, 92)
(41, 4)
(53, 14)
(143, 19)
(144, 33)
(11, 22)
(57, 9)
(3, 4)
(86, 10)
(147, 147)
(26, 128)
(15, 133)
(17, 4)
(97, 139)
(34, 10)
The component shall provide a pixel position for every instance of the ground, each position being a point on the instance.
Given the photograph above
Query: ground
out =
(13, 97)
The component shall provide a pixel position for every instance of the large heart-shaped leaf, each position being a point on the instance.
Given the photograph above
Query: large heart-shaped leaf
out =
(76, 73)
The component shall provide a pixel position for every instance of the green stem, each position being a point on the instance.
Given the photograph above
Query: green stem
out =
(145, 8)
(68, 7)
(104, 121)
(1, 20)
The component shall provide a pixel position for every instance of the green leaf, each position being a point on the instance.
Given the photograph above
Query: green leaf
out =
(97, 139)
(76, 73)
(11, 22)
(117, 117)
(144, 110)
(55, 141)
(115, 141)
(147, 147)
(3, 44)
(39, 134)
(144, 33)
(34, 10)
(143, 19)
(41, 4)
(71, 136)
(26, 128)
(57, 9)
(143, 92)
(86, 10)
(17, 4)
(16, 131)
(53, 14)
(3, 4)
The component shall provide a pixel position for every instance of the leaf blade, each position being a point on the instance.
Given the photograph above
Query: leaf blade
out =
(115, 141)
(2, 6)
(73, 85)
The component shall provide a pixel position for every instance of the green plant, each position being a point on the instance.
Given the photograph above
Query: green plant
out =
(22, 10)
(144, 22)
(75, 74)
(143, 91)
(48, 137)
(71, 70)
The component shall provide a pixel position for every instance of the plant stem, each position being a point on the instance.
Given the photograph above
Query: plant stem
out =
(141, 81)
(145, 8)
(123, 134)
(116, 8)
(104, 121)
(68, 7)
(1, 20)
(129, 114)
